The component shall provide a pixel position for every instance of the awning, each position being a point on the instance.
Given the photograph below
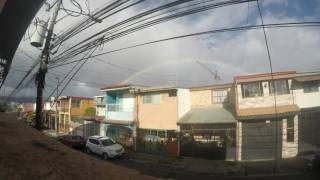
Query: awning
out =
(98, 119)
(209, 115)
(118, 122)
(267, 112)
(307, 78)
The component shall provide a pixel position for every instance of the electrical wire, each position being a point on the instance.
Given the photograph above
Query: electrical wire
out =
(234, 29)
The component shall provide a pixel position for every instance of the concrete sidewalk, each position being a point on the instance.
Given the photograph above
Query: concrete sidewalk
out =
(220, 167)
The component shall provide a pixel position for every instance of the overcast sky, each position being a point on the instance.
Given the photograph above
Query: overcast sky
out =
(175, 62)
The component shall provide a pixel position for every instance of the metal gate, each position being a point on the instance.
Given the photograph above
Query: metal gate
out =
(261, 139)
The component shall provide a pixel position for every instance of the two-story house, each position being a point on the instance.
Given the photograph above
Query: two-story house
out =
(306, 90)
(208, 128)
(120, 118)
(267, 116)
(70, 110)
(158, 111)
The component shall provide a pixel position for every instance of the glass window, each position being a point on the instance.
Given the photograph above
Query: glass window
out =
(309, 87)
(281, 86)
(154, 98)
(93, 141)
(172, 93)
(75, 103)
(290, 130)
(253, 89)
(219, 96)
(107, 142)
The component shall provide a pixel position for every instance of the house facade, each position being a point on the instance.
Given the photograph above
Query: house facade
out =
(158, 111)
(306, 90)
(70, 110)
(208, 128)
(120, 118)
(267, 116)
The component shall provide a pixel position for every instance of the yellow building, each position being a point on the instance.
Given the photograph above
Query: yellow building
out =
(70, 109)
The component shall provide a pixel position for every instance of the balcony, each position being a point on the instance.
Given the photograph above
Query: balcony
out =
(119, 112)
(100, 102)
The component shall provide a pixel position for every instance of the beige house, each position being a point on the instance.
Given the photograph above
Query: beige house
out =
(208, 129)
(158, 111)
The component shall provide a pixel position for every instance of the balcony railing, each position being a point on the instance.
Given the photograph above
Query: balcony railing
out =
(119, 112)
(100, 103)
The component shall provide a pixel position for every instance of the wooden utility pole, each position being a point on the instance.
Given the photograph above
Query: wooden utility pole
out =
(41, 75)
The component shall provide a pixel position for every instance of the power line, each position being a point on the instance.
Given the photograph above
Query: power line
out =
(106, 38)
(234, 29)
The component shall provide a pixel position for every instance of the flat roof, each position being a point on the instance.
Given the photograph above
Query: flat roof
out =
(155, 89)
(213, 86)
(308, 76)
(75, 97)
(264, 76)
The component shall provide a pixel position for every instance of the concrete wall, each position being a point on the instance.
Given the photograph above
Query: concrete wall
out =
(158, 116)
(306, 100)
(100, 110)
(266, 100)
(289, 149)
(184, 102)
(201, 98)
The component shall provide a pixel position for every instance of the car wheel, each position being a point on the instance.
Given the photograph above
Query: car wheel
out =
(88, 150)
(105, 156)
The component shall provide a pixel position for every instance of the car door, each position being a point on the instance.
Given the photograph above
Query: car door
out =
(98, 147)
(93, 145)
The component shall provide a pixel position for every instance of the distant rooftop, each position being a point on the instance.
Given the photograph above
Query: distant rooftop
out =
(213, 86)
(75, 97)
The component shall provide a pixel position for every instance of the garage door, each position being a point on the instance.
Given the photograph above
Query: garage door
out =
(259, 139)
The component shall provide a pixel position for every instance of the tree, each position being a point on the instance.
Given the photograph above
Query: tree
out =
(90, 111)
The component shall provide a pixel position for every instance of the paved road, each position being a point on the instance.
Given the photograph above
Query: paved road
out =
(163, 171)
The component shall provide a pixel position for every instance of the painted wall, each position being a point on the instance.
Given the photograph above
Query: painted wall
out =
(201, 98)
(290, 149)
(306, 100)
(84, 104)
(162, 116)
(124, 108)
(100, 110)
(266, 100)
(184, 102)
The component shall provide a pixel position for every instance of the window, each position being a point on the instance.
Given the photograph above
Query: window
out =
(290, 130)
(151, 98)
(219, 96)
(107, 142)
(75, 103)
(252, 89)
(94, 141)
(100, 100)
(172, 93)
(281, 87)
(309, 87)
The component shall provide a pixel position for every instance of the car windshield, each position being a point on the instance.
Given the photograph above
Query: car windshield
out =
(107, 142)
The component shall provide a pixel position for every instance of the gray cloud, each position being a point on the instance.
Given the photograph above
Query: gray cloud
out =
(174, 62)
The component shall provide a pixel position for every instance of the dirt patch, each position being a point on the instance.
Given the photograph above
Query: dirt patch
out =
(43, 145)
(28, 154)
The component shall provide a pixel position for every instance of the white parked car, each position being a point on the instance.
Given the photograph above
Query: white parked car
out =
(104, 146)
